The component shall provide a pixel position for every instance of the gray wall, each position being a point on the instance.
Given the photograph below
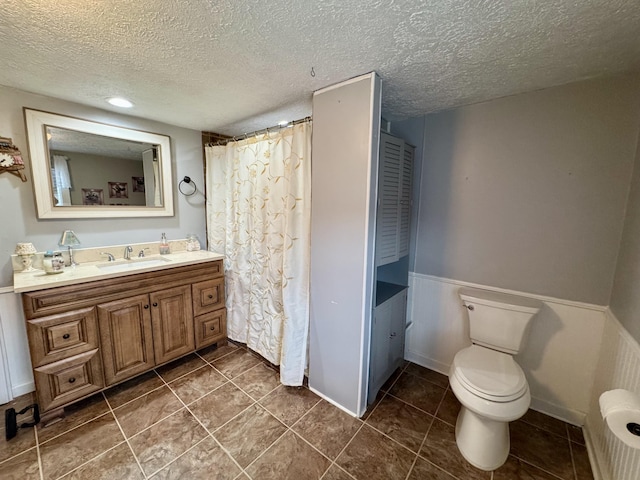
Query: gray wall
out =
(18, 222)
(529, 192)
(625, 296)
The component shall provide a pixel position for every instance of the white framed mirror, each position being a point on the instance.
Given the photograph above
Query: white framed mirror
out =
(86, 169)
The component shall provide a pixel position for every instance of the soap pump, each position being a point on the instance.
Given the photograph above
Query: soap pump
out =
(164, 245)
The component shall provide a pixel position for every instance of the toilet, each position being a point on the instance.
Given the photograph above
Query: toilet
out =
(485, 378)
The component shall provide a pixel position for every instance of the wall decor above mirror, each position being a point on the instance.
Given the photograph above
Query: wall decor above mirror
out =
(86, 169)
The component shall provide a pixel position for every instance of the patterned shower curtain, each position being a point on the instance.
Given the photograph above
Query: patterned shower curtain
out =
(258, 214)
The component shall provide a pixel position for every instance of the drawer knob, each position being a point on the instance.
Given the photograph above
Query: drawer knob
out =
(155, 304)
(72, 379)
(146, 306)
(66, 336)
(210, 296)
(212, 328)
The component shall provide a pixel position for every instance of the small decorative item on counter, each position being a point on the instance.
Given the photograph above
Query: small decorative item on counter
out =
(26, 251)
(164, 245)
(53, 262)
(193, 243)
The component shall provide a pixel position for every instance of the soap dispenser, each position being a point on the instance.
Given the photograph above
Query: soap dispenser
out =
(164, 245)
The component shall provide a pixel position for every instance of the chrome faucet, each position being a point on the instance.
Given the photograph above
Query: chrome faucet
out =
(110, 258)
(141, 252)
(127, 252)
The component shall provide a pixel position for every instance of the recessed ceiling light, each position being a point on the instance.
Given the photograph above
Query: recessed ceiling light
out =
(283, 123)
(120, 102)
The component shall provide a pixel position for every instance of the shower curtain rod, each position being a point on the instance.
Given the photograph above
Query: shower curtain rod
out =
(224, 141)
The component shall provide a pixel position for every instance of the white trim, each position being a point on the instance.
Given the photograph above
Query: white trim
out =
(6, 395)
(622, 331)
(544, 298)
(596, 459)
(8, 289)
(343, 83)
(332, 402)
(574, 417)
(18, 390)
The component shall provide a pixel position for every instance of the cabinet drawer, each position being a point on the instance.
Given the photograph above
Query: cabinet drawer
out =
(56, 337)
(210, 327)
(208, 296)
(61, 382)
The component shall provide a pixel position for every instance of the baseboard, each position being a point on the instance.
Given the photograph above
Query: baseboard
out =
(598, 463)
(324, 397)
(568, 415)
(17, 390)
(427, 362)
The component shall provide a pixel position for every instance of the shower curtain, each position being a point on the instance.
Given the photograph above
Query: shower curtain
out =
(258, 214)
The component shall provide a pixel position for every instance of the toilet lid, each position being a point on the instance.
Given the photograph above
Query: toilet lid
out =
(489, 374)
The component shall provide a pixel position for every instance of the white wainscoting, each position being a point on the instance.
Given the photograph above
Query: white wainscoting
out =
(559, 358)
(619, 367)
(16, 346)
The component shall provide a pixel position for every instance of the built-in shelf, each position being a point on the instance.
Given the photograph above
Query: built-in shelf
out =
(384, 291)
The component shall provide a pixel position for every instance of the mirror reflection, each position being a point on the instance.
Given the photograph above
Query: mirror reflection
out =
(88, 169)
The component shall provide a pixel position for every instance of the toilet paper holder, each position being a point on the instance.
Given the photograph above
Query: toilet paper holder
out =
(634, 428)
(620, 410)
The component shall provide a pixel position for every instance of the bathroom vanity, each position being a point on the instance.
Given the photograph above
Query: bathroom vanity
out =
(97, 325)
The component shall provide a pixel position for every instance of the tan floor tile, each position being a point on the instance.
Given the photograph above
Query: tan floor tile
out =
(440, 449)
(21, 467)
(418, 392)
(290, 458)
(196, 384)
(327, 428)
(72, 449)
(249, 434)
(425, 470)
(516, 469)
(24, 439)
(212, 353)
(236, 363)
(117, 463)
(545, 422)
(581, 462)
(372, 455)
(74, 415)
(372, 406)
(541, 449)
(165, 441)
(449, 408)
(404, 423)
(258, 381)
(392, 379)
(422, 372)
(288, 404)
(220, 406)
(147, 410)
(132, 389)
(205, 461)
(336, 473)
(180, 367)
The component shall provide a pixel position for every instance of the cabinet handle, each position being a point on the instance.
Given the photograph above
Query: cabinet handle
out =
(210, 296)
(155, 304)
(72, 379)
(146, 306)
(392, 335)
(66, 336)
(212, 328)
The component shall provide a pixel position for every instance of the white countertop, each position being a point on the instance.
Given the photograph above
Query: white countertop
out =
(89, 272)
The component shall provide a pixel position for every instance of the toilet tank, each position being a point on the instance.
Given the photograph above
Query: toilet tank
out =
(498, 320)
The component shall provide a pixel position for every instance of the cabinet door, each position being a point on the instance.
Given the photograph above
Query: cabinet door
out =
(379, 365)
(125, 335)
(391, 157)
(406, 180)
(398, 313)
(208, 296)
(172, 318)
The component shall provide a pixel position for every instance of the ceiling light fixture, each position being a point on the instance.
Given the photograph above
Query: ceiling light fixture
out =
(283, 123)
(120, 102)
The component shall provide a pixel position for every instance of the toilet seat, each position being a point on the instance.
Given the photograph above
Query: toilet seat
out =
(489, 374)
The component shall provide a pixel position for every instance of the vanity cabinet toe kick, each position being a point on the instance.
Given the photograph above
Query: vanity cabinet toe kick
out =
(85, 338)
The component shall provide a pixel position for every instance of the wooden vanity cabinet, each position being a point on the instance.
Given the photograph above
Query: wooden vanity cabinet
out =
(84, 338)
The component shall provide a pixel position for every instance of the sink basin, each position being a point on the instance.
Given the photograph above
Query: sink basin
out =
(133, 264)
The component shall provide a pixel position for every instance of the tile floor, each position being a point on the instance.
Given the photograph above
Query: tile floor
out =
(221, 414)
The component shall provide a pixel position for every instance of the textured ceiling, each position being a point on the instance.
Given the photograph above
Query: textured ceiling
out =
(234, 66)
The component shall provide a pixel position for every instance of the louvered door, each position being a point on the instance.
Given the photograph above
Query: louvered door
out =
(394, 199)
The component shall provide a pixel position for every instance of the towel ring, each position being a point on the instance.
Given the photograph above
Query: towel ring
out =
(188, 181)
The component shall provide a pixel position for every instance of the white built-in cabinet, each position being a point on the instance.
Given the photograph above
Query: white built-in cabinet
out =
(394, 199)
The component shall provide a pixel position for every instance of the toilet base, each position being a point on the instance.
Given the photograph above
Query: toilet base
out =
(484, 443)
